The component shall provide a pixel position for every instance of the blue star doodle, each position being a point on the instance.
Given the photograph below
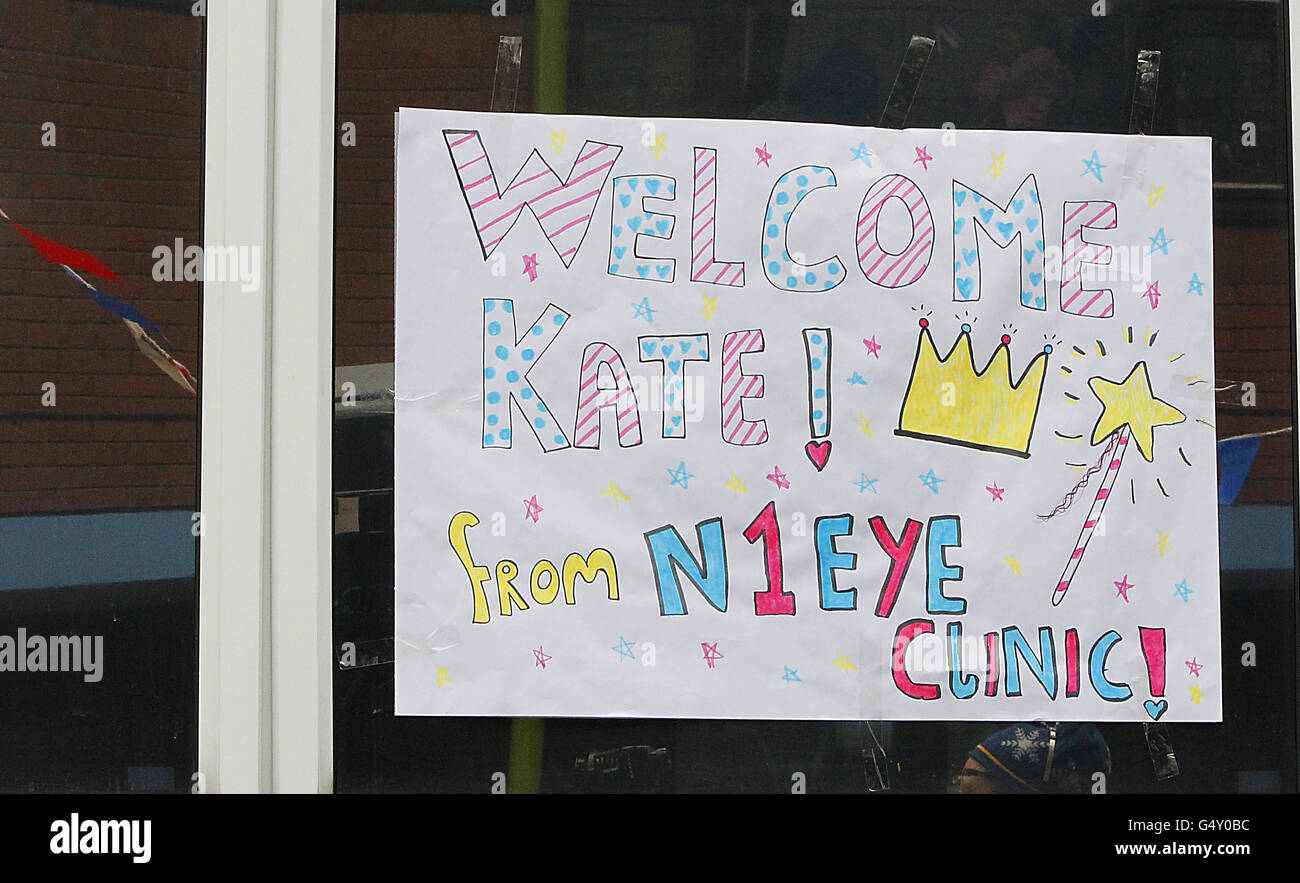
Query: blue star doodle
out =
(624, 648)
(862, 152)
(857, 380)
(643, 310)
(680, 476)
(791, 676)
(1181, 591)
(1195, 284)
(867, 484)
(1093, 166)
(931, 480)
(1160, 242)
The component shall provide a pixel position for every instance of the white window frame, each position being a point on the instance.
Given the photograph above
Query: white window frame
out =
(265, 697)
(265, 574)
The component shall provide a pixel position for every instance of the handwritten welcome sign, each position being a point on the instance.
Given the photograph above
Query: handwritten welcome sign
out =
(751, 419)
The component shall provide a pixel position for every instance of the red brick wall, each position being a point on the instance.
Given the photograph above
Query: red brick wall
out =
(123, 86)
(387, 61)
(1253, 333)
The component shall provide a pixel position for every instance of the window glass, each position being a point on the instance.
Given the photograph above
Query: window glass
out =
(101, 149)
(1043, 66)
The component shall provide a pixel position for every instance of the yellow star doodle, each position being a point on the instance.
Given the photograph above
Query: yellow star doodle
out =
(444, 675)
(1131, 402)
(661, 144)
(615, 493)
(736, 484)
(864, 424)
(845, 663)
(1196, 693)
(1013, 564)
(710, 306)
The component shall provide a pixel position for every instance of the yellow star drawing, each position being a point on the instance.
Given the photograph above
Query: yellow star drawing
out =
(736, 485)
(845, 663)
(1197, 695)
(1013, 564)
(1163, 545)
(864, 424)
(1131, 402)
(615, 493)
(1156, 195)
(558, 140)
(710, 306)
(661, 144)
(444, 676)
(999, 164)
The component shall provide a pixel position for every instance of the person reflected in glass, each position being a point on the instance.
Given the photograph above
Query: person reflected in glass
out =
(1033, 92)
(1036, 758)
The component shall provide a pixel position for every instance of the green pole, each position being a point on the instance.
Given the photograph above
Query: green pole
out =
(525, 770)
(550, 95)
(550, 88)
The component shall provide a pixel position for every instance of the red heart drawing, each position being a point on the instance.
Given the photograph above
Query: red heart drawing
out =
(818, 453)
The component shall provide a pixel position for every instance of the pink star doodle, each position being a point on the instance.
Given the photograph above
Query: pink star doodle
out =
(873, 348)
(763, 155)
(779, 478)
(1194, 667)
(1122, 588)
(996, 491)
(923, 157)
(530, 266)
(532, 508)
(540, 658)
(711, 654)
(1152, 294)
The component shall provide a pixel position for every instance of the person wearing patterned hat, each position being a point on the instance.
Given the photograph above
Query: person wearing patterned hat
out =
(1036, 758)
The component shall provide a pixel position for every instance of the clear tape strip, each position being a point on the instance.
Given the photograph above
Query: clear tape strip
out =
(899, 104)
(1142, 117)
(505, 85)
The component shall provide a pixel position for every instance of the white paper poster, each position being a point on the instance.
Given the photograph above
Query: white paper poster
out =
(748, 419)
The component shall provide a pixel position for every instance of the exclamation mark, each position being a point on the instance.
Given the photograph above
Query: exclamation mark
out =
(817, 349)
(1153, 650)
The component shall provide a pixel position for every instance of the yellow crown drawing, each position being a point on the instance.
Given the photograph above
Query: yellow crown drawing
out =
(949, 401)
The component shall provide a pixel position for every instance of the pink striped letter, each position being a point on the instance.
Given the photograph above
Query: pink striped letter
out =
(1077, 251)
(894, 269)
(593, 396)
(563, 208)
(703, 211)
(738, 386)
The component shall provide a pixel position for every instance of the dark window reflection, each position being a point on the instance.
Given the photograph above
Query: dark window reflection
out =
(101, 149)
(1010, 65)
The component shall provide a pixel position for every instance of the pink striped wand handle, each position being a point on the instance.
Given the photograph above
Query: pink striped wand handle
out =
(1115, 453)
